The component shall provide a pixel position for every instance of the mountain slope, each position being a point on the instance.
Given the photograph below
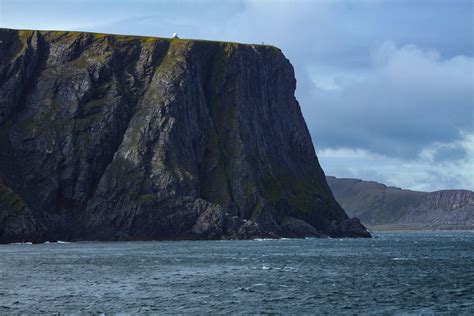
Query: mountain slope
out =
(110, 137)
(377, 204)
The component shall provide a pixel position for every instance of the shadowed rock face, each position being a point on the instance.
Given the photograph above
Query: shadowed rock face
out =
(376, 204)
(131, 138)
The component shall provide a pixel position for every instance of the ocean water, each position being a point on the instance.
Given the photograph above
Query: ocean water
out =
(415, 272)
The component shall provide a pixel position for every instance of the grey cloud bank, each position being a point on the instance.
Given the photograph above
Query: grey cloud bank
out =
(407, 99)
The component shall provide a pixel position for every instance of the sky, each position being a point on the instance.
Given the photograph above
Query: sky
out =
(386, 87)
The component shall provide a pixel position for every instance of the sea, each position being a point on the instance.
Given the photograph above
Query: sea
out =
(392, 273)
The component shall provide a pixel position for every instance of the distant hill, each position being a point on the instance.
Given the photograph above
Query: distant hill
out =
(377, 204)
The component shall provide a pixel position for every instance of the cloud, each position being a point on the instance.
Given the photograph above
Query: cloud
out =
(408, 98)
(424, 172)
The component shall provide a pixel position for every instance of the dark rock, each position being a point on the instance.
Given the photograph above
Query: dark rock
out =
(131, 138)
(294, 227)
(210, 223)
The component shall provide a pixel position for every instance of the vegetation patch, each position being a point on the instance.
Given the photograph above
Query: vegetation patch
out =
(147, 198)
(300, 193)
(10, 199)
(215, 185)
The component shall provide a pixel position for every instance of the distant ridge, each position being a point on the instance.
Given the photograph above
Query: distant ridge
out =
(377, 204)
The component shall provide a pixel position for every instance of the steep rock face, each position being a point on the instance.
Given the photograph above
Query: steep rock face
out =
(446, 207)
(119, 137)
(377, 204)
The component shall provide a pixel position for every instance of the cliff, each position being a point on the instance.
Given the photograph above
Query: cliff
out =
(377, 204)
(106, 137)
(443, 208)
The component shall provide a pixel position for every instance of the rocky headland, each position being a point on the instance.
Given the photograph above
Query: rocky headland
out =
(109, 137)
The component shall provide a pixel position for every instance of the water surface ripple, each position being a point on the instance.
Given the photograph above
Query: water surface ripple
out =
(416, 272)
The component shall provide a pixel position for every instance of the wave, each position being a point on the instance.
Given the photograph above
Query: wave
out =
(270, 239)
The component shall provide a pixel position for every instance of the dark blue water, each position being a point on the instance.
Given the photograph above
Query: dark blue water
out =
(417, 272)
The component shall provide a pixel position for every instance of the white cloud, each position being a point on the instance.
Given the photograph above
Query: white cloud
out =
(406, 99)
(424, 173)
